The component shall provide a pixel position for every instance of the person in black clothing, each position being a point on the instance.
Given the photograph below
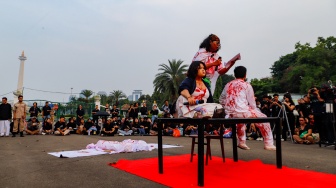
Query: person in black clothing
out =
(47, 127)
(155, 113)
(80, 114)
(89, 127)
(126, 128)
(95, 118)
(33, 127)
(61, 128)
(265, 106)
(72, 125)
(115, 111)
(46, 110)
(289, 106)
(275, 106)
(136, 110)
(34, 110)
(317, 106)
(143, 110)
(108, 128)
(5, 117)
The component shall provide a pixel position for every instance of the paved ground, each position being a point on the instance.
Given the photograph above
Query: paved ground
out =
(24, 162)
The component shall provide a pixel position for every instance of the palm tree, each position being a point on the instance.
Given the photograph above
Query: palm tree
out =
(167, 82)
(116, 95)
(87, 93)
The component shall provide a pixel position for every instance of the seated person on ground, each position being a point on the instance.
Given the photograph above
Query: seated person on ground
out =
(303, 134)
(90, 126)
(81, 127)
(33, 126)
(168, 129)
(126, 129)
(154, 129)
(147, 124)
(72, 125)
(108, 128)
(47, 126)
(116, 124)
(61, 128)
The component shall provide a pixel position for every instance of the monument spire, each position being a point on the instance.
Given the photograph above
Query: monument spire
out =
(19, 90)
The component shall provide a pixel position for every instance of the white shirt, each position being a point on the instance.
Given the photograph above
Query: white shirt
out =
(237, 97)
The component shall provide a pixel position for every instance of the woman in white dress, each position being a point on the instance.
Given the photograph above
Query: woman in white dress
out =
(194, 89)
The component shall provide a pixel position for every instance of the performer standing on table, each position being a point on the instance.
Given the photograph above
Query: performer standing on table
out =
(194, 89)
(238, 101)
(207, 53)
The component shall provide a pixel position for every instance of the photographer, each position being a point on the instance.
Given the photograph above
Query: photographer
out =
(317, 106)
(289, 108)
(275, 105)
(327, 130)
(265, 106)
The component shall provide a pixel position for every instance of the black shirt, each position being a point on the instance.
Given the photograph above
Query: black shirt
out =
(34, 111)
(5, 111)
(46, 110)
(115, 112)
(108, 127)
(143, 110)
(60, 126)
(155, 112)
(47, 126)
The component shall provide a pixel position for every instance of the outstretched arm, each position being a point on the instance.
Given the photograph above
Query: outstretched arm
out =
(229, 64)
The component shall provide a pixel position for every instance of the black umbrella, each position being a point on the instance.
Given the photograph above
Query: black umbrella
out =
(101, 113)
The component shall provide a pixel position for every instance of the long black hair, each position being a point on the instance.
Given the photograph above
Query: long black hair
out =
(206, 42)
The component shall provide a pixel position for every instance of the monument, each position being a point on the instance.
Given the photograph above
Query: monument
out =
(19, 90)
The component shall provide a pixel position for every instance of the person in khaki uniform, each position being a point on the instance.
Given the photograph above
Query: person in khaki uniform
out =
(19, 117)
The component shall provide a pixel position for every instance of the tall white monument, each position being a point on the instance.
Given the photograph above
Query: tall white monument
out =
(19, 89)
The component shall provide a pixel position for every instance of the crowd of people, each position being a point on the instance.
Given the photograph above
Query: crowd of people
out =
(306, 122)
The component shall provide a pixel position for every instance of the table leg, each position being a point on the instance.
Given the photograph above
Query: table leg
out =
(201, 154)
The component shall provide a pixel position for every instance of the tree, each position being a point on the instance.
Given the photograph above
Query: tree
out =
(307, 66)
(262, 87)
(87, 94)
(220, 84)
(168, 81)
(116, 95)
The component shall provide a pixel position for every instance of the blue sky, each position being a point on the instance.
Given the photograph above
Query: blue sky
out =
(107, 45)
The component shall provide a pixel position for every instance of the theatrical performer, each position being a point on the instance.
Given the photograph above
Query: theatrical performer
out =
(238, 101)
(193, 89)
(207, 53)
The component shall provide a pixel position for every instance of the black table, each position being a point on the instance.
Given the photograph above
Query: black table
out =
(231, 122)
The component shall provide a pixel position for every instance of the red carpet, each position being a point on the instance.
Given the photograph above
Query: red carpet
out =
(179, 172)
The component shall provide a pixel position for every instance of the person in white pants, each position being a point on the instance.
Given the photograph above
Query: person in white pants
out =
(238, 101)
(5, 117)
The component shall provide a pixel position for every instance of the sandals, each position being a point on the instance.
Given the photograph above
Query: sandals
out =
(306, 142)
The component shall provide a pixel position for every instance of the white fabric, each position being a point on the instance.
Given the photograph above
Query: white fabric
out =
(119, 147)
(4, 127)
(214, 81)
(205, 109)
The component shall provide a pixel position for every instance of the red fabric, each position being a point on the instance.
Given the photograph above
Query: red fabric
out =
(180, 172)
